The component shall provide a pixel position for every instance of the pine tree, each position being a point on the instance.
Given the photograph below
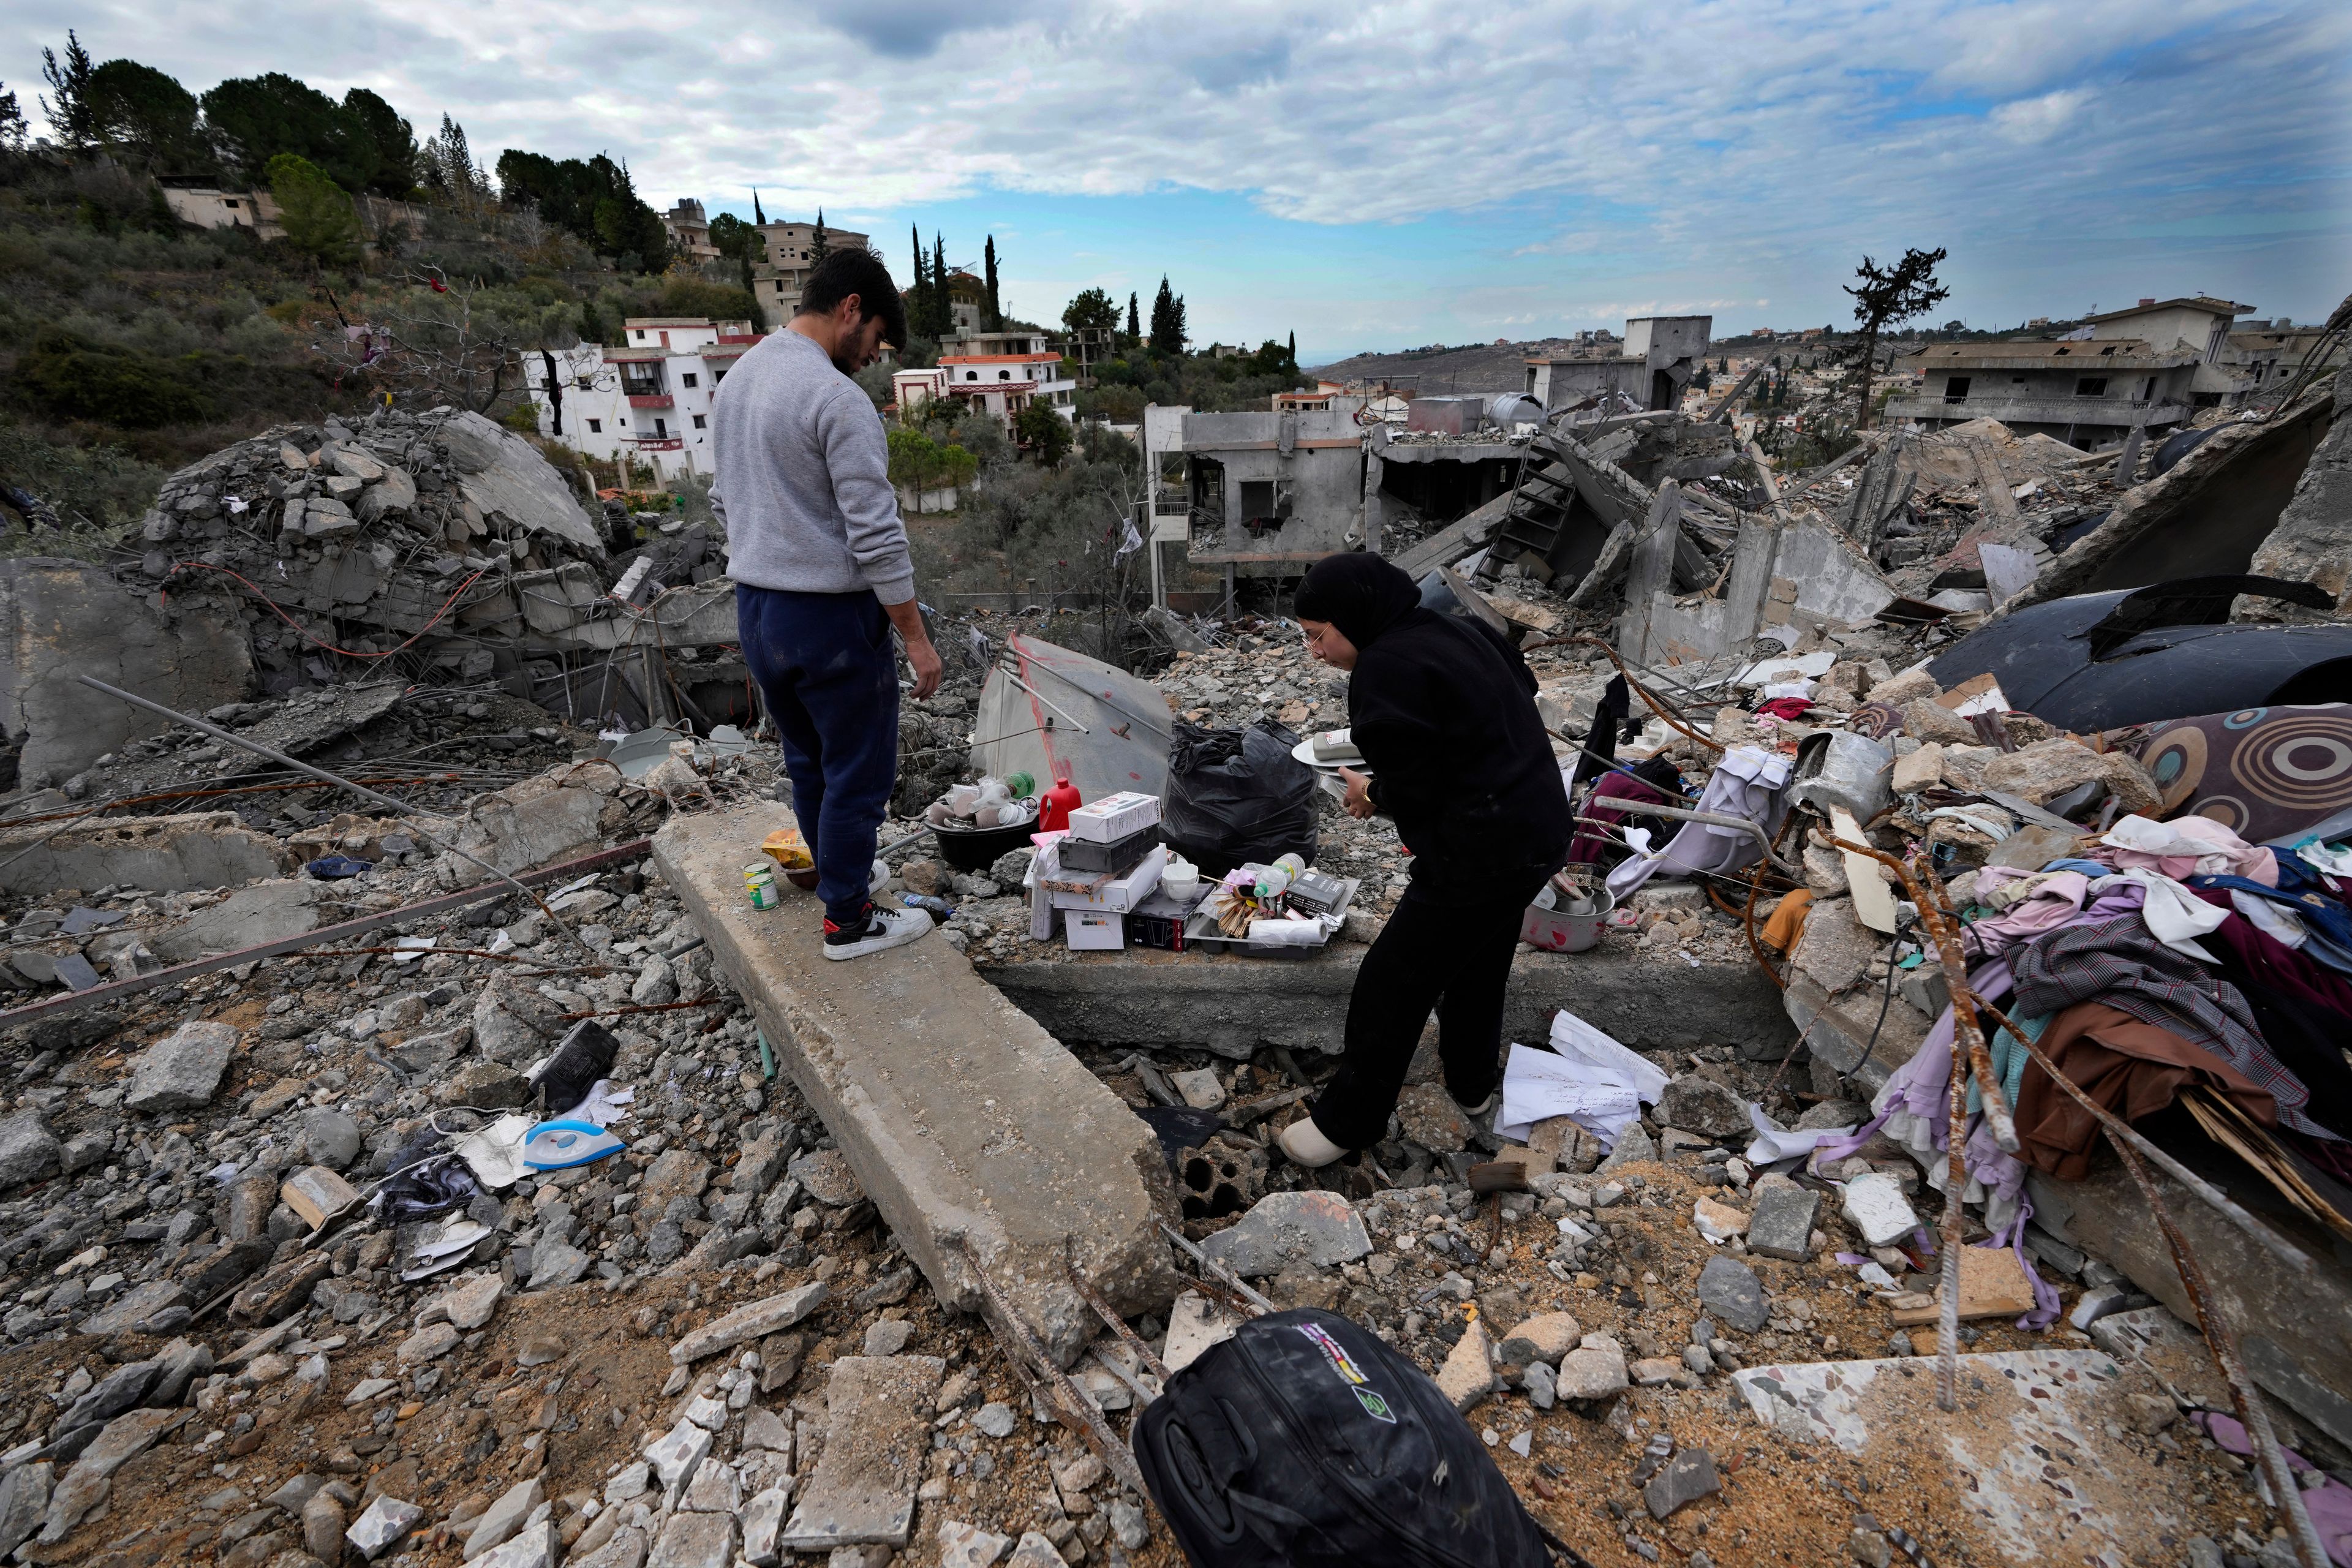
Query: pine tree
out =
(995, 308)
(72, 116)
(1167, 321)
(918, 298)
(943, 296)
(1134, 327)
(757, 215)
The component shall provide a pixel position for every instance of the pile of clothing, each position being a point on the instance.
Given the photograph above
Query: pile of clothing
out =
(2159, 960)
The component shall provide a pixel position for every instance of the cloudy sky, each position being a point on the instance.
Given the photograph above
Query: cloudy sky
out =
(1395, 173)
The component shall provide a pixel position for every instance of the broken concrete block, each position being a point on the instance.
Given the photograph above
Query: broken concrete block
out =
(1200, 1088)
(1547, 1336)
(28, 1151)
(1782, 1224)
(695, 1541)
(1922, 769)
(1875, 1206)
(1928, 721)
(1595, 1370)
(264, 912)
(183, 1070)
(1702, 1105)
(60, 618)
(1729, 1288)
(387, 1520)
(763, 1523)
(878, 1430)
(1468, 1375)
(1688, 1477)
(24, 1499)
(965, 1545)
(500, 1521)
(1717, 1222)
(1322, 1229)
(745, 1324)
(1427, 1115)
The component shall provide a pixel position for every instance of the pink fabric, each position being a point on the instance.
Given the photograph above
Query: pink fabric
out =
(2050, 906)
(2329, 1504)
(2221, 853)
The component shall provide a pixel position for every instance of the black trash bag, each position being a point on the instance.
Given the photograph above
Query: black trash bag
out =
(1304, 1442)
(1237, 795)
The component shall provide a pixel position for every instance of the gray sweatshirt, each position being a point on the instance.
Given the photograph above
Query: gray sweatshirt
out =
(803, 476)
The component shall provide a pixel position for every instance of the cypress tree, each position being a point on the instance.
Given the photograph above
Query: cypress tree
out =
(995, 308)
(918, 298)
(1134, 325)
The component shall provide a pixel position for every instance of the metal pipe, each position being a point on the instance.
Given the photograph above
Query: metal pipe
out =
(259, 749)
(1043, 698)
(1209, 1264)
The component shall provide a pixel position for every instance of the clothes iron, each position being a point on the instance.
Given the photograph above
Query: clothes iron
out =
(560, 1145)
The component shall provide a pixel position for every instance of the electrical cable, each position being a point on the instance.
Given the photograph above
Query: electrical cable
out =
(305, 631)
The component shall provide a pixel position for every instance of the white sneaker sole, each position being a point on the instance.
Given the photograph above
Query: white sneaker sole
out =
(902, 933)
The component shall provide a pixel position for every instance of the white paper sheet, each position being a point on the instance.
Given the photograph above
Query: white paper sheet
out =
(495, 1153)
(1539, 1085)
(1775, 1142)
(1571, 1036)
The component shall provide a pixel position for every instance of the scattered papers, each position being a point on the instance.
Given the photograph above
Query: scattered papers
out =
(1586, 1077)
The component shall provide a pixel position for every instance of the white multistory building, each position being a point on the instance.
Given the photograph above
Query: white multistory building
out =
(1000, 373)
(648, 397)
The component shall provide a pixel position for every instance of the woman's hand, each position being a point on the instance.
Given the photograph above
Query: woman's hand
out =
(1359, 793)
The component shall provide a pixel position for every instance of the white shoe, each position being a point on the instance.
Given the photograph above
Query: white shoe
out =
(884, 929)
(1483, 1107)
(1305, 1143)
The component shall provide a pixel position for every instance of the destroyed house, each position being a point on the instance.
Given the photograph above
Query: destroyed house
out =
(1269, 494)
(789, 252)
(1657, 358)
(2150, 366)
(647, 398)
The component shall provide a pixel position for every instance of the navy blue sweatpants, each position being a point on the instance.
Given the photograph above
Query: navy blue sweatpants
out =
(828, 668)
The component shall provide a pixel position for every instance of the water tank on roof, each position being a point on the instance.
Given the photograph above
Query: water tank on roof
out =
(1514, 408)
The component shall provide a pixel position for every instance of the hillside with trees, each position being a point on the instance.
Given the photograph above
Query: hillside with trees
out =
(132, 343)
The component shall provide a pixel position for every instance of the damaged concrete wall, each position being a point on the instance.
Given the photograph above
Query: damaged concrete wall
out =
(2207, 515)
(59, 619)
(2313, 541)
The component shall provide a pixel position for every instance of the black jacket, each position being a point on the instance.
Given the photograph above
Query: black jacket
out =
(1443, 711)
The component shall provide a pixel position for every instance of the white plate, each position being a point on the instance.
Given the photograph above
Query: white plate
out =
(1305, 753)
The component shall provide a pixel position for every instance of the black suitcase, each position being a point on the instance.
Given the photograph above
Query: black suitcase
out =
(1306, 1442)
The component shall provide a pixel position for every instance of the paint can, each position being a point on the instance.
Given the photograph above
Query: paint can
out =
(759, 886)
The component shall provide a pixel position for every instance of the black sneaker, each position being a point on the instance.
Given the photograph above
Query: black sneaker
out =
(878, 930)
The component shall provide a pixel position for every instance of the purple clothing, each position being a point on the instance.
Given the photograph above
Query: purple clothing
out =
(1586, 847)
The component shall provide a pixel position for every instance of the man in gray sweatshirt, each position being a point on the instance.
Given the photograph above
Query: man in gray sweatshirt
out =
(822, 575)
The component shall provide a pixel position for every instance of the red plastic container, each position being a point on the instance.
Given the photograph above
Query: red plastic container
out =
(1055, 806)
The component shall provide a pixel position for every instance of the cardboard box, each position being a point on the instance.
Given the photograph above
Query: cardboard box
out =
(1094, 931)
(1318, 892)
(1114, 816)
(1115, 894)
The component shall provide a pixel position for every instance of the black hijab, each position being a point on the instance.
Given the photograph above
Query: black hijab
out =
(1360, 593)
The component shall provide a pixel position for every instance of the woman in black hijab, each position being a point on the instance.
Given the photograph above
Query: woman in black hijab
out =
(1443, 711)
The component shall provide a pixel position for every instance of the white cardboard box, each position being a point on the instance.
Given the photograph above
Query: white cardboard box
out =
(1117, 895)
(1094, 931)
(1114, 816)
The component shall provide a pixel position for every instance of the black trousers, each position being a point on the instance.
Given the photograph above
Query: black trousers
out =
(1428, 955)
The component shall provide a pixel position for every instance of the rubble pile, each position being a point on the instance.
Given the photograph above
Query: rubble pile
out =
(362, 535)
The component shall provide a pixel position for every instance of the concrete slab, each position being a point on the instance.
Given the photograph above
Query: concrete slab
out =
(963, 1117)
(1145, 998)
(878, 1434)
(164, 854)
(2295, 1329)
(2032, 1465)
